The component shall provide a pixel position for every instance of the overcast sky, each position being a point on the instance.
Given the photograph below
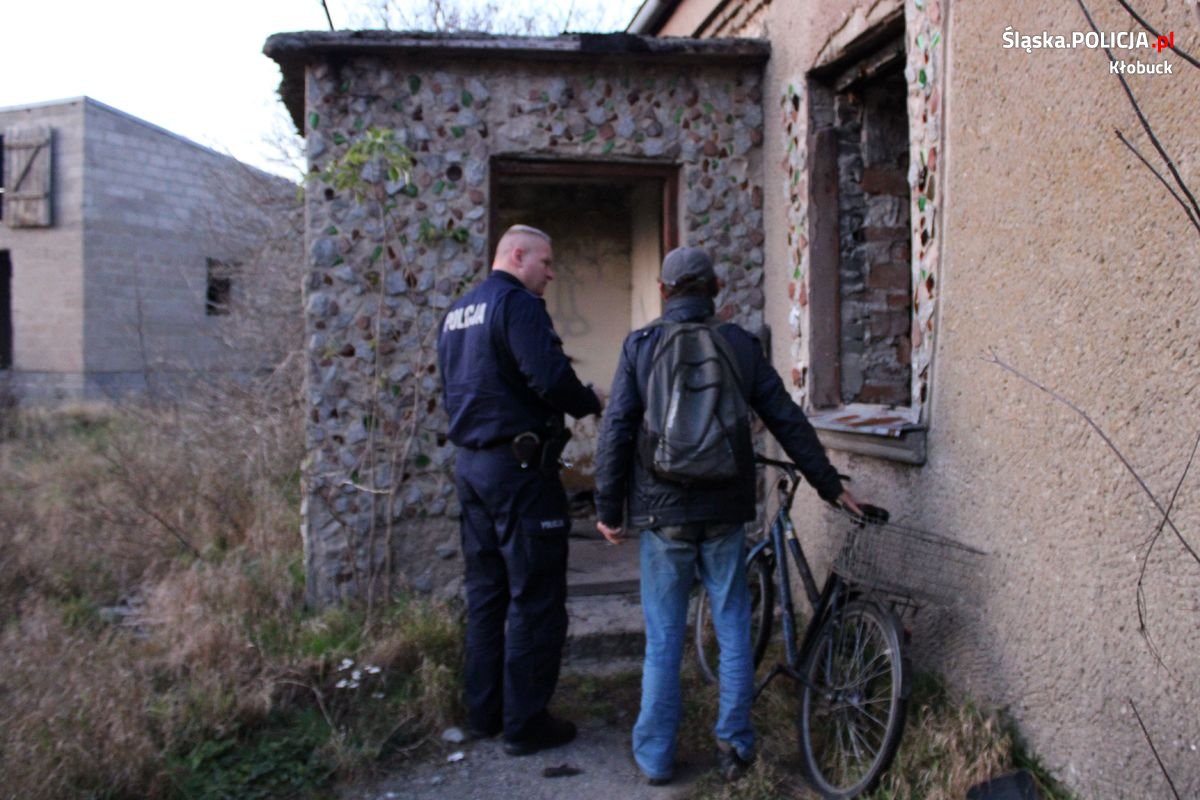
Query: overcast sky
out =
(196, 69)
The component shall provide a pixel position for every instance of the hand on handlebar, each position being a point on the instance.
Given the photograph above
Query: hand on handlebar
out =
(850, 503)
(863, 512)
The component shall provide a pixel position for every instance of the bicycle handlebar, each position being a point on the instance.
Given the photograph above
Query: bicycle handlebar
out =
(874, 515)
(787, 466)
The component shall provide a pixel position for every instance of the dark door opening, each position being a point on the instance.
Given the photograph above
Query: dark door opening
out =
(6, 328)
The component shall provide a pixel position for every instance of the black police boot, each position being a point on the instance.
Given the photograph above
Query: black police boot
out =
(553, 732)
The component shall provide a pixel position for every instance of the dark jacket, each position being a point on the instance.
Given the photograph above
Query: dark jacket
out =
(503, 367)
(622, 479)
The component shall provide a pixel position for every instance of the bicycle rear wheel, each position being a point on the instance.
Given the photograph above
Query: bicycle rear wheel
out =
(759, 574)
(852, 710)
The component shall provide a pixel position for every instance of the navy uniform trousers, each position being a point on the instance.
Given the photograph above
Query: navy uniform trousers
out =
(514, 541)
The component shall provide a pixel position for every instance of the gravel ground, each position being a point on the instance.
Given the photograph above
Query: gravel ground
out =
(485, 772)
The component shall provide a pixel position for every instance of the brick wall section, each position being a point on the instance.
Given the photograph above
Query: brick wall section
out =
(47, 279)
(875, 268)
(705, 119)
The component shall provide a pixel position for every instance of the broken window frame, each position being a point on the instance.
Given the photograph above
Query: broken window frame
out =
(218, 287)
(895, 431)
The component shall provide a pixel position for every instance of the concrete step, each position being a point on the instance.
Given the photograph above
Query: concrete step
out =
(596, 567)
(605, 633)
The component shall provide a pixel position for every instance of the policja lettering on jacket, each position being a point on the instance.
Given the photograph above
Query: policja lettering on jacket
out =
(460, 318)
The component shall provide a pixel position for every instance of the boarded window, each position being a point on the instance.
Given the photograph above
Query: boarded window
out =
(27, 177)
(218, 287)
(861, 278)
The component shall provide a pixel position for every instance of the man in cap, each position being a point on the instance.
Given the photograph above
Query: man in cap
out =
(507, 384)
(689, 527)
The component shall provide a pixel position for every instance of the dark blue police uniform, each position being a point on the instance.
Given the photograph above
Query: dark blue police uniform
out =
(504, 374)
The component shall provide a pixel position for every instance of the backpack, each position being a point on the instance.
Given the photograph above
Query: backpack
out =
(696, 425)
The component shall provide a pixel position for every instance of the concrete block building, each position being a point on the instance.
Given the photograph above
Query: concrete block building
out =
(123, 248)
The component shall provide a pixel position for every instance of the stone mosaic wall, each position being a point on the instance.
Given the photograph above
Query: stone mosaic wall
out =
(383, 271)
(924, 45)
(926, 49)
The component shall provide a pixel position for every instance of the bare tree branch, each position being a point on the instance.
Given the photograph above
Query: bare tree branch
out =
(145, 505)
(1141, 589)
(1142, 118)
(1191, 217)
(1182, 53)
(1142, 609)
(994, 359)
(1154, 750)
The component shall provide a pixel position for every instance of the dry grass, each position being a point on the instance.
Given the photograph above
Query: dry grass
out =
(948, 746)
(154, 636)
(75, 720)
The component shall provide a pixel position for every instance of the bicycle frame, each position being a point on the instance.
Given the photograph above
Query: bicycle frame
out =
(824, 602)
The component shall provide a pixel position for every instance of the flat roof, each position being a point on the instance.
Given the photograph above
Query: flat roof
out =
(294, 51)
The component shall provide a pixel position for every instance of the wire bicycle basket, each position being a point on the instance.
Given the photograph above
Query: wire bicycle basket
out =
(913, 564)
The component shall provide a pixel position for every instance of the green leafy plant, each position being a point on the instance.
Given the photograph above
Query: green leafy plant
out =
(372, 145)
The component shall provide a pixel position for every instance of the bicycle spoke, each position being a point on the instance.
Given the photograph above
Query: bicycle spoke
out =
(881, 724)
(875, 677)
(853, 739)
(851, 710)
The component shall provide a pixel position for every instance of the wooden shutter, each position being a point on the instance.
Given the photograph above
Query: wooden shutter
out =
(824, 272)
(27, 177)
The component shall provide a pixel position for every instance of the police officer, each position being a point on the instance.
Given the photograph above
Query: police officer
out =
(507, 384)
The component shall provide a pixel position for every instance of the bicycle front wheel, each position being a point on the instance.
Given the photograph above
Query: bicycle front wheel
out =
(852, 708)
(762, 614)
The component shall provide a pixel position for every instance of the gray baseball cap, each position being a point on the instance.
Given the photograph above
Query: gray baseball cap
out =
(686, 264)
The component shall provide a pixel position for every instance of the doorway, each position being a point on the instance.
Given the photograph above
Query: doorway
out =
(6, 328)
(611, 225)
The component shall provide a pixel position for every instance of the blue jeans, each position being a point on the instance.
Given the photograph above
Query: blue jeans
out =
(668, 570)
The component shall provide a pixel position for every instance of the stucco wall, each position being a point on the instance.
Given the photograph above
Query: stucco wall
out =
(47, 263)
(375, 276)
(1062, 253)
(1066, 256)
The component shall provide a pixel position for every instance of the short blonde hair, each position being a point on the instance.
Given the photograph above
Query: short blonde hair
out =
(513, 235)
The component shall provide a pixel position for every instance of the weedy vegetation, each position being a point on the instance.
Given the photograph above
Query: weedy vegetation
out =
(949, 745)
(151, 614)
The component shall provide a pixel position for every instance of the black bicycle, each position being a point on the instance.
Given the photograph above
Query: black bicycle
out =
(850, 663)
